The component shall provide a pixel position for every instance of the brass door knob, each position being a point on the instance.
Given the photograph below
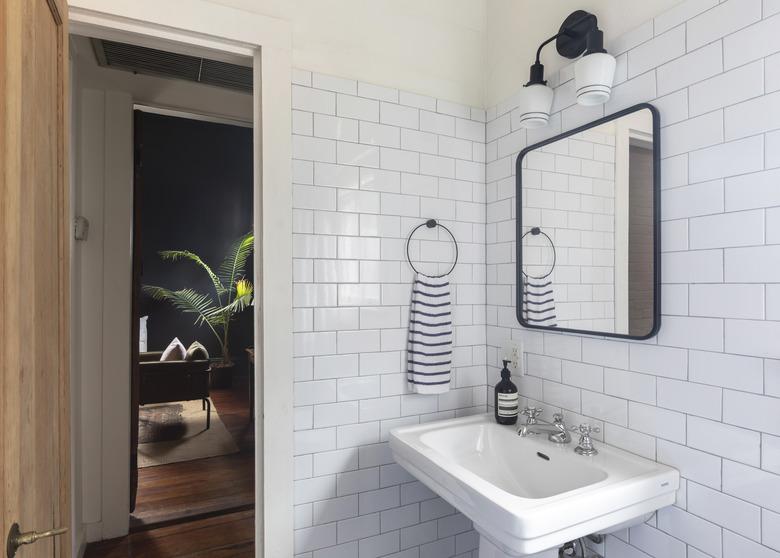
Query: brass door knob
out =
(16, 538)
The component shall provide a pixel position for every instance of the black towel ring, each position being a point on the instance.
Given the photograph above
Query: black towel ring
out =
(536, 231)
(430, 223)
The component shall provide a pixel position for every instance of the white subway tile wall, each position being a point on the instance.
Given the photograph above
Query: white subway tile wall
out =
(702, 396)
(371, 163)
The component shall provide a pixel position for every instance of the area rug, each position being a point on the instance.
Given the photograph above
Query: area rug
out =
(175, 432)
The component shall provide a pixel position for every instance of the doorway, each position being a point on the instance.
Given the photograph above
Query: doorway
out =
(225, 31)
(192, 246)
(165, 162)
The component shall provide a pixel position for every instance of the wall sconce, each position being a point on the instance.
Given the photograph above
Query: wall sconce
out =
(593, 73)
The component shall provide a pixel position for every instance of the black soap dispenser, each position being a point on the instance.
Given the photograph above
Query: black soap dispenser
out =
(506, 400)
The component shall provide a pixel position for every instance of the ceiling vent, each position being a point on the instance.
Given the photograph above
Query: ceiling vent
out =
(143, 60)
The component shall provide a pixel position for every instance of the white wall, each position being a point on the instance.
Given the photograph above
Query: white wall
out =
(517, 27)
(435, 47)
(103, 181)
(370, 164)
(704, 394)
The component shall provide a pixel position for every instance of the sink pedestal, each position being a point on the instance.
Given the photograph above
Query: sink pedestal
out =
(488, 550)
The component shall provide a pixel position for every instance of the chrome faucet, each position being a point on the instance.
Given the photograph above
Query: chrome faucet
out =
(556, 431)
(585, 446)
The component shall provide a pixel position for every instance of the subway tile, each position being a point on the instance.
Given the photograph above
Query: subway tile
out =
(312, 538)
(687, 397)
(380, 134)
(695, 133)
(356, 107)
(629, 440)
(313, 100)
(358, 527)
(758, 412)
(314, 149)
(721, 509)
(657, 360)
(735, 546)
(333, 127)
(605, 407)
(751, 484)
(377, 92)
(691, 68)
(691, 529)
(629, 385)
(655, 52)
(729, 159)
(655, 421)
(757, 264)
(605, 353)
(752, 43)
(415, 100)
(694, 465)
(399, 160)
(681, 13)
(692, 333)
(423, 142)
(749, 337)
(333, 83)
(722, 20)
(334, 319)
(757, 190)
(399, 115)
(755, 116)
(729, 88)
(337, 461)
(356, 154)
(302, 123)
(744, 228)
(437, 123)
(729, 442)
(726, 370)
(656, 542)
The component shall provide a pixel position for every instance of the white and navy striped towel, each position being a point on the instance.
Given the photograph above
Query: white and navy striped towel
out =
(538, 301)
(429, 350)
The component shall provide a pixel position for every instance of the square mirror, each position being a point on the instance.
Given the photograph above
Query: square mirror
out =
(588, 228)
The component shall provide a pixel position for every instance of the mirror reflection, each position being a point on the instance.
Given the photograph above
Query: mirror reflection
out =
(588, 248)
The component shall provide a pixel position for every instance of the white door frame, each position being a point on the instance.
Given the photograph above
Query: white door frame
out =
(268, 41)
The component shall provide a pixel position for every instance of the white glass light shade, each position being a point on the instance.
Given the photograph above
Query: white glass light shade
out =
(593, 75)
(535, 104)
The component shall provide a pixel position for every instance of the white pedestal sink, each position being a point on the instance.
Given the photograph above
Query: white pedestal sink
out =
(529, 496)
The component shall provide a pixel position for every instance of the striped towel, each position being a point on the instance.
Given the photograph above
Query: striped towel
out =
(538, 301)
(429, 351)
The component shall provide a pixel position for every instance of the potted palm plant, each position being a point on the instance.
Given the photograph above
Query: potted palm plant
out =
(232, 294)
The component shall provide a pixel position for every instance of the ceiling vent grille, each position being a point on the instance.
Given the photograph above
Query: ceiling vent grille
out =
(143, 60)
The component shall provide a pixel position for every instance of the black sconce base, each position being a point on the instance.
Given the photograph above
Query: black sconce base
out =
(573, 35)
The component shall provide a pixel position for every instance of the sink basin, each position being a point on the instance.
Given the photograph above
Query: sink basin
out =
(529, 495)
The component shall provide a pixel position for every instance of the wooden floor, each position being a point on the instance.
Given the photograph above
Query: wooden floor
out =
(195, 489)
(222, 536)
(196, 508)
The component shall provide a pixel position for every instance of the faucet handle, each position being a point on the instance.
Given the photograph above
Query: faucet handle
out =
(532, 412)
(585, 429)
(585, 447)
(558, 418)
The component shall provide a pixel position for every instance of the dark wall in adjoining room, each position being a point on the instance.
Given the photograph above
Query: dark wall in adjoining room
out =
(195, 181)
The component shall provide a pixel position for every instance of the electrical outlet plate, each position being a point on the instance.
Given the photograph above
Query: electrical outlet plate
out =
(512, 351)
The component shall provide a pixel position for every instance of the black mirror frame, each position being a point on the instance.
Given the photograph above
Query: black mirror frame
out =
(656, 222)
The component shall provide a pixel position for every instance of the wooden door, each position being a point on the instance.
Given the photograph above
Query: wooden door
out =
(34, 269)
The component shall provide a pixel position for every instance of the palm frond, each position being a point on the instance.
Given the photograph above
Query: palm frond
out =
(244, 294)
(187, 301)
(233, 264)
(175, 255)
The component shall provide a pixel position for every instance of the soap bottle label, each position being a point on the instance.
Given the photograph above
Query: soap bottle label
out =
(507, 404)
